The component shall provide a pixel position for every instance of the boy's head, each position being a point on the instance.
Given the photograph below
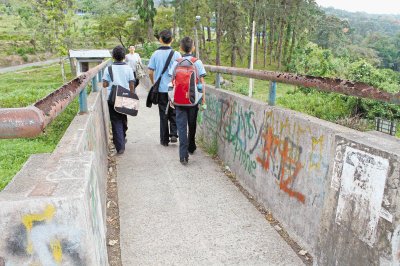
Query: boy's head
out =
(118, 53)
(165, 37)
(187, 45)
(132, 48)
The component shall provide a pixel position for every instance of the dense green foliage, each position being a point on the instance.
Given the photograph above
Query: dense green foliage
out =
(20, 89)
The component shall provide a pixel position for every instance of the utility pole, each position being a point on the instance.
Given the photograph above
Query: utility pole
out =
(251, 81)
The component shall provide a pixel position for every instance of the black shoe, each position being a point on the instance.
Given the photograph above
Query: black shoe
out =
(191, 152)
(165, 144)
(121, 151)
(174, 139)
(184, 161)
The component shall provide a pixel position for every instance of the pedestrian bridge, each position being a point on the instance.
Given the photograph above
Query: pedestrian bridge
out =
(289, 189)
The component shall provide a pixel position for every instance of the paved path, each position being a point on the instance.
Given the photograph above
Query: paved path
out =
(15, 68)
(186, 215)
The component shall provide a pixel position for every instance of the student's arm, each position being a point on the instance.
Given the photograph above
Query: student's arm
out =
(131, 79)
(202, 73)
(106, 78)
(151, 75)
(203, 83)
(151, 67)
(132, 86)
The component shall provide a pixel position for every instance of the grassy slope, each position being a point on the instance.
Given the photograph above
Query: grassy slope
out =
(20, 89)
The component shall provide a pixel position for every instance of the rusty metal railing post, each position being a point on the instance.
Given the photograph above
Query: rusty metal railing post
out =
(83, 107)
(272, 93)
(94, 84)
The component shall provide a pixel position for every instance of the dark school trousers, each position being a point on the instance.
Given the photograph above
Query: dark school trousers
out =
(186, 118)
(165, 131)
(119, 125)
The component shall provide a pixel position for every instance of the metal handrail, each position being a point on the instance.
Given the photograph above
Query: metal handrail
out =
(346, 87)
(28, 122)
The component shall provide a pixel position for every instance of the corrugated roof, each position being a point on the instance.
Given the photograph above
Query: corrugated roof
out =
(89, 53)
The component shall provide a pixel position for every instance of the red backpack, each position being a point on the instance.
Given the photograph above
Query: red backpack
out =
(184, 81)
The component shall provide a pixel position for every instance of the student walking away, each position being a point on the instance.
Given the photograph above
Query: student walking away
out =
(122, 75)
(188, 90)
(157, 63)
(133, 59)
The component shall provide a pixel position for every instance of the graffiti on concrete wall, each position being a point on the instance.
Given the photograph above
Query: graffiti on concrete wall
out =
(267, 142)
(362, 180)
(42, 241)
(236, 126)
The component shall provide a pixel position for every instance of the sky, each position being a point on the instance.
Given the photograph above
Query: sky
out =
(368, 6)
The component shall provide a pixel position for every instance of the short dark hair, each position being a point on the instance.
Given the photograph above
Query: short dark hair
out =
(165, 36)
(187, 44)
(118, 53)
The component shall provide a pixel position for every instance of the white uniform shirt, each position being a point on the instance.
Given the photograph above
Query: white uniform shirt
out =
(132, 60)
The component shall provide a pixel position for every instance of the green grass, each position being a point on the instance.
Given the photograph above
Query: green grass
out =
(20, 89)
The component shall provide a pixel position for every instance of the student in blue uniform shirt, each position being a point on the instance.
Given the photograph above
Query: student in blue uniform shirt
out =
(122, 76)
(156, 65)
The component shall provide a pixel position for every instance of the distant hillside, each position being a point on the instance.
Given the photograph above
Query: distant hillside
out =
(365, 24)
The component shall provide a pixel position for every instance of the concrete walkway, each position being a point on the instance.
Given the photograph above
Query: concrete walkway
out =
(186, 215)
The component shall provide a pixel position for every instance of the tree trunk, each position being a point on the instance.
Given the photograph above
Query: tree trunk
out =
(219, 36)
(281, 32)
(264, 43)
(209, 38)
(256, 54)
(271, 38)
(233, 56)
(150, 33)
(286, 44)
(292, 46)
(64, 77)
(203, 35)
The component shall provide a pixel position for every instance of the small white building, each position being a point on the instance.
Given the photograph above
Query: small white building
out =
(81, 58)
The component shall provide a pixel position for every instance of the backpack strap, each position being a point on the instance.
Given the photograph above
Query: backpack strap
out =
(193, 60)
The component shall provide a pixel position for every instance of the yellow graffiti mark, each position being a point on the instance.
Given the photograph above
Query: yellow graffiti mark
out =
(55, 246)
(47, 215)
(316, 152)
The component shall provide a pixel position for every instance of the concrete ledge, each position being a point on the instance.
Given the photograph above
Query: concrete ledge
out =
(53, 212)
(293, 164)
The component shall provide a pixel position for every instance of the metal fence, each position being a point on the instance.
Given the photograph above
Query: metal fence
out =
(336, 85)
(32, 120)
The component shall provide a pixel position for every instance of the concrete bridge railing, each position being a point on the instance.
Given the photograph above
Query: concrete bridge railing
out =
(54, 210)
(336, 190)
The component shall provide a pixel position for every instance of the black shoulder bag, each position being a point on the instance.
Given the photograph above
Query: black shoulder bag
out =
(121, 99)
(152, 97)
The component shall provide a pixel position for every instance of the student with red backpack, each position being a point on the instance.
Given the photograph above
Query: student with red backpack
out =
(187, 91)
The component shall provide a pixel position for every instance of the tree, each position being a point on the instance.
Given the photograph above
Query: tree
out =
(122, 27)
(147, 12)
(51, 24)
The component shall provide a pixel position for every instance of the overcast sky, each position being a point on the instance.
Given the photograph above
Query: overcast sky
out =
(369, 6)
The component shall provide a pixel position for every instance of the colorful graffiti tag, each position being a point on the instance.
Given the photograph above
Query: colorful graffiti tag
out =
(264, 141)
